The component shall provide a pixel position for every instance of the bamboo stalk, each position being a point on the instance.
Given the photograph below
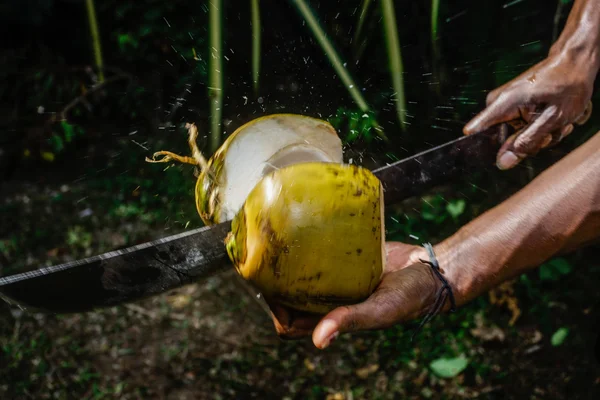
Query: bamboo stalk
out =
(94, 33)
(373, 21)
(215, 87)
(435, 11)
(331, 53)
(361, 19)
(255, 44)
(435, 47)
(395, 58)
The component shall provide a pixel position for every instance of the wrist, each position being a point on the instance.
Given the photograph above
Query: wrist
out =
(457, 260)
(578, 56)
(579, 42)
(484, 253)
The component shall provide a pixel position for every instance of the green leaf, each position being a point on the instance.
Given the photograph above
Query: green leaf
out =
(57, 143)
(125, 40)
(449, 367)
(456, 208)
(559, 336)
(428, 215)
(554, 269)
(561, 265)
(68, 130)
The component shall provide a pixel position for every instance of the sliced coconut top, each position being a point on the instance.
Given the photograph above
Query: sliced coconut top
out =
(269, 143)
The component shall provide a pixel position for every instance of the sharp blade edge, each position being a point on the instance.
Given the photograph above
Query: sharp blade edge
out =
(122, 275)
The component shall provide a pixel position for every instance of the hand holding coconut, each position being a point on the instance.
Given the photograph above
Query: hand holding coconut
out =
(406, 292)
(557, 212)
(295, 237)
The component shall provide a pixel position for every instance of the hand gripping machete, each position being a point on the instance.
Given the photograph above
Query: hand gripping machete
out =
(155, 267)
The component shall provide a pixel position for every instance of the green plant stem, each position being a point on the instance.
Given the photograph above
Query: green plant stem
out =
(361, 19)
(435, 48)
(435, 11)
(215, 87)
(255, 44)
(331, 53)
(361, 44)
(395, 58)
(94, 33)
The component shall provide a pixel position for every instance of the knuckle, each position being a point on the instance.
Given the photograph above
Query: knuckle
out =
(498, 94)
(504, 96)
(528, 144)
(530, 98)
(489, 99)
(389, 307)
(350, 320)
(555, 113)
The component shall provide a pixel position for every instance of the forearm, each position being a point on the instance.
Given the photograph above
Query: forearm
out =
(557, 212)
(580, 38)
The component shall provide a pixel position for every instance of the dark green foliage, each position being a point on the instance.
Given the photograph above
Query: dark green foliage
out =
(355, 124)
(555, 269)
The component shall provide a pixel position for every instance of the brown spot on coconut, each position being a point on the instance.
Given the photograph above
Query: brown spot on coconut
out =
(330, 258)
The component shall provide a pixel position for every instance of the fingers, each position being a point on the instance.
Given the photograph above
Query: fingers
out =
(530, 140)
(493, 95)
(363, 316)
(292, 324)
(402, 296)
(585, 116)
(400, 255)
(559, 135)
(503, 107)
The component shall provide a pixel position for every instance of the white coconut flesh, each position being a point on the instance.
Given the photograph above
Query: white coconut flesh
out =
(270, 143)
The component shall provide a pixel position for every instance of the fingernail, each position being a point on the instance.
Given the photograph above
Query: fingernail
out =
(325, 333)
(468, 128)
(507, 160)
(547, 141)
(330, 339)
(567, 130)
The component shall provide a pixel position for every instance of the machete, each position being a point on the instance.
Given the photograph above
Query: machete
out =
(155, 267)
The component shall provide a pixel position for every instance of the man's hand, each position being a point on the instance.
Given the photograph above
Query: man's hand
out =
(557, 212)
(547, 99)
(407, 290)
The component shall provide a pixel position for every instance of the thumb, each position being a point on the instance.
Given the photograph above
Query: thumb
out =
(403, 295)
(371, 314)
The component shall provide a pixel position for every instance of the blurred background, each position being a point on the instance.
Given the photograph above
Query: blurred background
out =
(90, 88)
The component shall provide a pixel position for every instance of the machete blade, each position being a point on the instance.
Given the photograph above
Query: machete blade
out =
(152, 268)
(121, 276)
(441, 164)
